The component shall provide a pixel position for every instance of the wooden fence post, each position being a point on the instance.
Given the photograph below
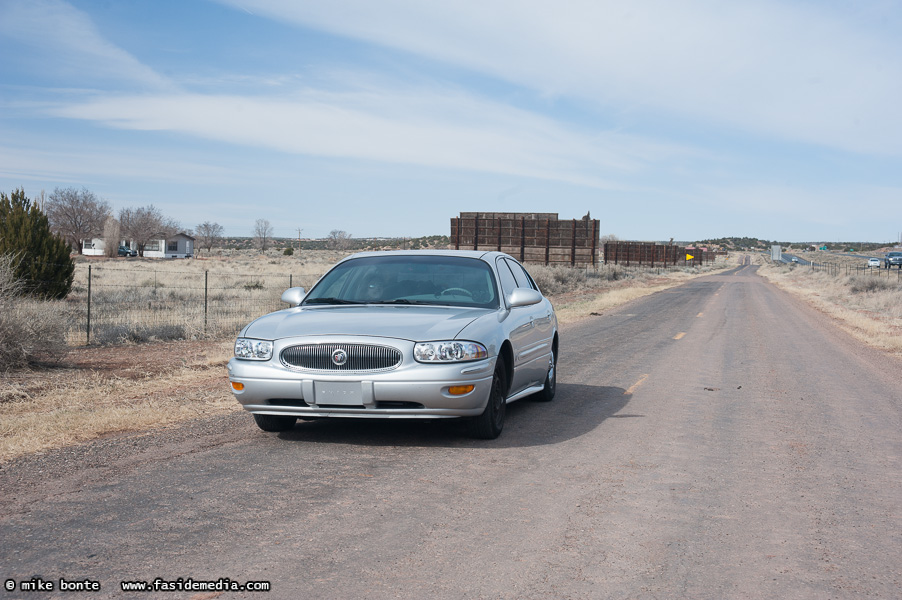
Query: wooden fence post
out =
(573, 245)
(594, 239)
(547, 240)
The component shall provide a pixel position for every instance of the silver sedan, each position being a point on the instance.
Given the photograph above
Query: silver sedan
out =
(408, 334)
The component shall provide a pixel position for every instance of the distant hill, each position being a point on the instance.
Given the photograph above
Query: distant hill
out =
(429, 241)
(747, 243)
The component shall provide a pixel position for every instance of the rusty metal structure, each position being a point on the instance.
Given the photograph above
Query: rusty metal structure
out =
(532, 237)
(651, 254)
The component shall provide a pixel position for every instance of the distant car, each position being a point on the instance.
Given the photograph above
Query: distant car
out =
(126, 251)
(893, 259)
(416, 334)
(873, 262)
(794, 259)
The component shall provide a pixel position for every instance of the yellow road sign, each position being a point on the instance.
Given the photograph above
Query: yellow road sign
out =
(689, 257)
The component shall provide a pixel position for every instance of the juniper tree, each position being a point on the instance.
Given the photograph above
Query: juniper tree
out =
(41, 258)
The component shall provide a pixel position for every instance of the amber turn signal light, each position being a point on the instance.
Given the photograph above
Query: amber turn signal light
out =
(460, 390)
(237, 386)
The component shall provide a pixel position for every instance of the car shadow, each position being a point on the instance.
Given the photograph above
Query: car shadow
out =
(576, 410)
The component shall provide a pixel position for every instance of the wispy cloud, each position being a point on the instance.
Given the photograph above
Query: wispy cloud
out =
(786, 72)
(69, 46)
(87, 163)
(407, 126)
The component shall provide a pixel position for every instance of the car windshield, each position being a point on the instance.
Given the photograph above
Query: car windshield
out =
(408, 279)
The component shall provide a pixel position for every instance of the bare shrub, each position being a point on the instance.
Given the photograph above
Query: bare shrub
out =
(557, 279)
(138, 334)
(111, 237)
(31, 330)
(865, 285)
(611, 273)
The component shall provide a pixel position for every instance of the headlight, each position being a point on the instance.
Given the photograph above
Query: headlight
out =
(451, 351)
(249, 349)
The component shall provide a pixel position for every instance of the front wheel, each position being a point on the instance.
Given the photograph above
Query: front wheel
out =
(275, 423)
(489, 424)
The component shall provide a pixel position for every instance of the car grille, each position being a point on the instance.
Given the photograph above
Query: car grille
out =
(360, 357)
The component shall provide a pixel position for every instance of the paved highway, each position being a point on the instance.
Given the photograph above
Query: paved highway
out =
(715, 440)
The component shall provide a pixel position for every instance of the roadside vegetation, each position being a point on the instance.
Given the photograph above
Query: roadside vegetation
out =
(744, 244)
(865, 303)
(31, 330)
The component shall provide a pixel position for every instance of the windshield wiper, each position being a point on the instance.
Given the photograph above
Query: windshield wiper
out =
(330, 301)
(406, 301)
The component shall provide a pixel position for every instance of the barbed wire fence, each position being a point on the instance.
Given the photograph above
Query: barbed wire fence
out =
(110, 305)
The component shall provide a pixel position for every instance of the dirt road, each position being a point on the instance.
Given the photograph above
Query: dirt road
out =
(717, 440)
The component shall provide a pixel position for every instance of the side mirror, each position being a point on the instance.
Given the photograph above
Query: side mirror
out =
(294, 296)
(524, 297)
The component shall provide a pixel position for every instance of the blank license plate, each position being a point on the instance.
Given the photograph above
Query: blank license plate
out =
(344, 394)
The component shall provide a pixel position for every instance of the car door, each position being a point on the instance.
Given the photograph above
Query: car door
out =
(542, 312)
(529, 350)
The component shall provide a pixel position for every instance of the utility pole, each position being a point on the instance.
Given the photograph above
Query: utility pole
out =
(299, 240)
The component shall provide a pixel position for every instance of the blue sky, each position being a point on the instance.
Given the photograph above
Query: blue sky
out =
(691, 119)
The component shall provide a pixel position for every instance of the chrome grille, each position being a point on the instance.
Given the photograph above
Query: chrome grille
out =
(360, 357)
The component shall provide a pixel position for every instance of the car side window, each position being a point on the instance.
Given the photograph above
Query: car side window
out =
(520, 274)
(508, 282)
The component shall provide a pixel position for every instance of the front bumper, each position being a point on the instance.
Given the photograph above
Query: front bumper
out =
(411, 390)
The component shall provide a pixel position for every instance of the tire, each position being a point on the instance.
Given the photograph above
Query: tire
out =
(547, 393)
(489, 424)
(275, 423)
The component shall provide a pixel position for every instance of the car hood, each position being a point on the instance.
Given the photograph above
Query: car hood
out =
(415, 323)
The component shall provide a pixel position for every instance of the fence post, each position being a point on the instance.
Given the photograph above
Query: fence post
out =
(594, 239)
(547, 240)
(206, 287)
(88, 331)
(522, 239)
(573, 245)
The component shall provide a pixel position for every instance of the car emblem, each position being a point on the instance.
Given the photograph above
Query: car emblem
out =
(339, 357)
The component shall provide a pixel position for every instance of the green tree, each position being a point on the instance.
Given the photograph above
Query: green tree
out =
(41, 258)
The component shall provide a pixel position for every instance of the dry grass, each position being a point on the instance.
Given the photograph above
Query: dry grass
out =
(62, 406)
(866, 305)
(113, 390)
(135, 300)
(30, 330)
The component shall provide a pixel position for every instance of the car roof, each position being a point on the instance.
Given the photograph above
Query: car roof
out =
(479, 254)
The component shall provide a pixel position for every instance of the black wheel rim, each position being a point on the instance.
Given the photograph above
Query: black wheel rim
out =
(552, 373)
(498, 404)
